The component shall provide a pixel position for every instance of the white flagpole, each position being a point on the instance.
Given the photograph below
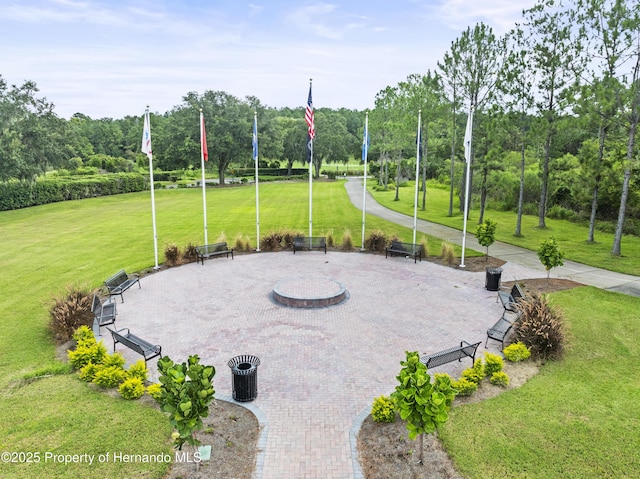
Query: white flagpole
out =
(255, 160)
(204, 194)
(365, 154)
(146, 148)
(415, 201)
(468, 137)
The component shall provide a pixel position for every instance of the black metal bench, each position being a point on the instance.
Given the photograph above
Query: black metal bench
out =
(465, 350)
(309, 243)
(499, 331)
(104, 313)
(406, 249)
(133, 342)
(510, 300)
(120, 282)
(213, 249)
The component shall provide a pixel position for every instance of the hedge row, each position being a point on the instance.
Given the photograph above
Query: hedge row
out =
(266, 171)
(22, 194)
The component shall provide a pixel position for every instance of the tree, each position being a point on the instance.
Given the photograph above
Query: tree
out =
(187, 390)
(550, 254)
(423, 404)
(486, 234)
(555, 61)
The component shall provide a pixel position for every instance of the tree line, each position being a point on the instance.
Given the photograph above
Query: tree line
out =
(556, 103)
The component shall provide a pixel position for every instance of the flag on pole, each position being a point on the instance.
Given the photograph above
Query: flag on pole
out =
(146, 137)
(365, 141)
(203, 139)
(311, 129)
(468, 136)
(254, 141)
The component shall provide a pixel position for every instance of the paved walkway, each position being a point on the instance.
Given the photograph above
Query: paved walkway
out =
(589, 275)
(320, 369)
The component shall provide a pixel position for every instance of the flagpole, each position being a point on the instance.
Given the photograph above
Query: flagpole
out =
(203, 140)
(255, 160)
(415, 201)
(467, 156)
(365, 154)
(146, 148)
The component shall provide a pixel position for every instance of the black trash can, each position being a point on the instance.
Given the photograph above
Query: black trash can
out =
(244, 370)
(492, 280)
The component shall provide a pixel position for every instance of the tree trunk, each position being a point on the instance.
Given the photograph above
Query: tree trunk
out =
(521, 193)
(453, 155)
(594, 196)
(542, 209)
(397, 198)
(483, 195)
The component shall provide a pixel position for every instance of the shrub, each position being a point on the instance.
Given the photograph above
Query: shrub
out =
(132, 388)
(155, 391)
(425, 247)
(377, 241)
(500, 378)
(516, 352)
(109, 377)
(87, 352)
(464, 386)
(138, 370)
(383, 409)
(247, 244)
(330, 240)
(172, 254)
(347, 242)
(88, 371)
(222, 238)
(83, 333)
(238, 243)
(70, 311)
(272, 241)
(540, 328)
(115, 359)
(492, 363)
(189, 254)
(476, 373)
(448, 253)
(289, 235)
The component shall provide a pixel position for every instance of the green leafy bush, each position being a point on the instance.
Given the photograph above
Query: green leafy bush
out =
(492, 363)
(88, 371)
(500, 378)
(155, 391)
(516, 352)
(115, 359)
(377, 240)
(540, 327)
(69, 311)
(109, 377)
(83, 333)
(132, 388)
(172, 254)
(476, 373)
(138, 370)
(550, 254)
(87, 351)
(383, 409)
(464, 386)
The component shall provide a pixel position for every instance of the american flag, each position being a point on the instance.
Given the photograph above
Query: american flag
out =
(203, 139)
(308, 116)
(254, 141)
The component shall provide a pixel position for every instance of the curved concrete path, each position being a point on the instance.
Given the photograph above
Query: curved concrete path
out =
(589, 275)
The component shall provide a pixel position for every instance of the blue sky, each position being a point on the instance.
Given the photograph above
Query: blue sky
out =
(112, 58)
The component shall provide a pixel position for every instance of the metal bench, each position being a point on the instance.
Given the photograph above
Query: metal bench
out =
(104, 313)
(213, 249)
(499, 331)
(510, 300)
(309, 243)
(135, 343)
(120, 282)
(465, 350)
(409, 250)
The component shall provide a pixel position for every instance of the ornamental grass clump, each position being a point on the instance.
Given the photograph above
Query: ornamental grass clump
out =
(448, 253)
(540, 327)
(190, 253)
(377, 241)
(69, 311)
(172, 255)
(347, 241)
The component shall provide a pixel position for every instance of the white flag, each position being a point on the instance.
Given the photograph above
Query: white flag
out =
(468, 136)
(146, 137)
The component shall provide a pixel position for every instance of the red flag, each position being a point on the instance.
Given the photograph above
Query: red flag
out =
(203, 139)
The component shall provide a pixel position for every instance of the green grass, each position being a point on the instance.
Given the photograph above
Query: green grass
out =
(48, 247)
(579, 418)
(571, 236)
(578, 414)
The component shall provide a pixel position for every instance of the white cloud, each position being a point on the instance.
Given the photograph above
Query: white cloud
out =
(500, 14)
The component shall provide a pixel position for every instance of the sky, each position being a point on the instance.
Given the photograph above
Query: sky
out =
(112, 58)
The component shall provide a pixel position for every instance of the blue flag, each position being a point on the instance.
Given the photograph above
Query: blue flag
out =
(255, 138)
(365, 142)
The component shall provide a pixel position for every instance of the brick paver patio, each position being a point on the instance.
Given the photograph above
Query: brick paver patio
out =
(320, 368)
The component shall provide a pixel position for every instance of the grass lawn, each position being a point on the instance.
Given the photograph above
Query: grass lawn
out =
(571, 236)
(579, 416)
(47, 248)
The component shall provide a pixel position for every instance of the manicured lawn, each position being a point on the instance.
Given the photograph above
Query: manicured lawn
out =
(571, 237)
(579, 418)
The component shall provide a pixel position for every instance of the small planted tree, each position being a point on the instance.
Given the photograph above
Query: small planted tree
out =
(186, 392)
(550, 255)
(423, 404)
(486, 235)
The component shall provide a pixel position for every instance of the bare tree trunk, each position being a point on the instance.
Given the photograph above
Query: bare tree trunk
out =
(544, 187)
(453, 155)
(594, 196)
(483, 195)
(398, 163)
(521, 193)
